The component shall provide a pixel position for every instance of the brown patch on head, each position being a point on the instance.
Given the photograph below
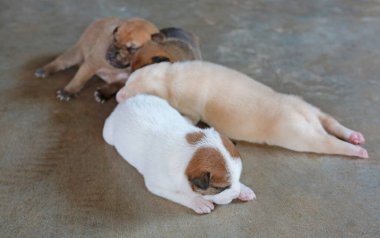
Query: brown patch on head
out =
(149, 54)
(230, 147)
(207, 171)
(195, 137)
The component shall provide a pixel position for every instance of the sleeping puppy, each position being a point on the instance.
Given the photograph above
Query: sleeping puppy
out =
(244, 109)
(180, 162)
(170, 44)
(103, 50)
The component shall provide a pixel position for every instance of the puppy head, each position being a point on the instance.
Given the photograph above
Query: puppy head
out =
(127, 38)
(148, 80)
(215, 166)
(150, 53)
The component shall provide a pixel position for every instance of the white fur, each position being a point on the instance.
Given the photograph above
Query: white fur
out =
(151, 136)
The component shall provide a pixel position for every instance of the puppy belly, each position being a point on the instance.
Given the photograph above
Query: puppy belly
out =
(110, 75)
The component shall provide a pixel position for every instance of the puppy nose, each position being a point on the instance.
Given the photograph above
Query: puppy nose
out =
(111, 54)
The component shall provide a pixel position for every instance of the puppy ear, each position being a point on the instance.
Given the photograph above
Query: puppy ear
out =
(201, 181)
(158, 59)
(230, 146)
(158, 37)
(115, 30)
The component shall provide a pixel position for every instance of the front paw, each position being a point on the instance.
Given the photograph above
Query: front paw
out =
(246, 194)
(40, 73)
(224, 197)
(63, 95)
(201, 205)
(99, 96)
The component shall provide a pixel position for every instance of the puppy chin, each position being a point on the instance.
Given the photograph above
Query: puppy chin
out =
(111, 57)
(224, 197)
(117, 64)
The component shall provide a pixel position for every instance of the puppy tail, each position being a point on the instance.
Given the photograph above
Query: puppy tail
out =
(108, 131)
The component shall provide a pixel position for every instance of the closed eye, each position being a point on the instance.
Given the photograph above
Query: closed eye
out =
(220, 188)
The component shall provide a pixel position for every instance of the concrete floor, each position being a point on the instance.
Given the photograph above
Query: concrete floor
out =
(58, 178)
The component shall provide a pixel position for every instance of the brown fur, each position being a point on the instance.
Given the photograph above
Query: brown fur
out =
(208, 160)
(159, 49)
(172, 50)
(194, 137)
(230, 147)
(91, 49)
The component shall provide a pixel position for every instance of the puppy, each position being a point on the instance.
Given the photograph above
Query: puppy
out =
(170, 44)
(244, 109)
(179, 162)
(103, 50)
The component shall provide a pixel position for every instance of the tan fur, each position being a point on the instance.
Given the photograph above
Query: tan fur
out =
(194, 137)
(91, 48)
(207, 159)
(244, 109)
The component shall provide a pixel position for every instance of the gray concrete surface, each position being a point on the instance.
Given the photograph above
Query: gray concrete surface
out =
(58, 178)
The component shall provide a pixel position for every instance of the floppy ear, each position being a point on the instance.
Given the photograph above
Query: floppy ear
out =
(158, 37)
(158, 59)
(201, 181)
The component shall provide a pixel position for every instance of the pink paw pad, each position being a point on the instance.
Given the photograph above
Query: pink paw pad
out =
(356, 138)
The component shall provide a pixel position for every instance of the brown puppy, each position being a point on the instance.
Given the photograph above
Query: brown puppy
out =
(104, 50)
(170, 44)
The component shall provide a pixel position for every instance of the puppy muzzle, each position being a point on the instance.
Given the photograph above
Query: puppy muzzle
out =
(113, 58)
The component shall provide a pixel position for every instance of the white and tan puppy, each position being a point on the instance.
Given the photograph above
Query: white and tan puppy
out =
(244, 109)
(180, 162)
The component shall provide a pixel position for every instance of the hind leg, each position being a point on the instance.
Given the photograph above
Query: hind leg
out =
(69, 58)
(333, 127)
(305, 138)
(84, 74)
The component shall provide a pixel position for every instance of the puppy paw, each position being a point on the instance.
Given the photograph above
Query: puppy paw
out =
(246, 194)
(356, 138)
(361, 152)
(201, 205)
(224, 197)
(99, 97)
(40, 73)
(63, 95)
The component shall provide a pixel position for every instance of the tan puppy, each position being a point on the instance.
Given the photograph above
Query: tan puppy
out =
(170, 44)
(244, 109)
(103, 50)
